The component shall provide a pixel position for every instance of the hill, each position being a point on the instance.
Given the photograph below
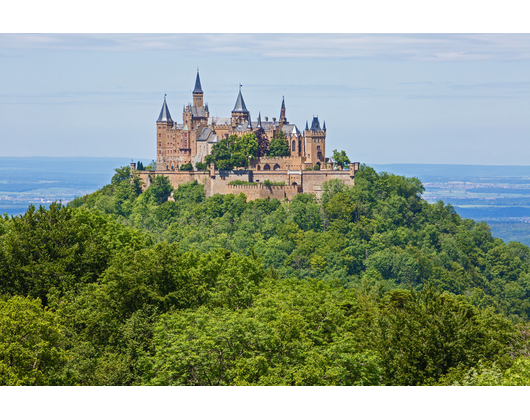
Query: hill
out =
(371, 286)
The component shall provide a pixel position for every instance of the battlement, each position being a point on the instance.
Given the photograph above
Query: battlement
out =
(262, 191)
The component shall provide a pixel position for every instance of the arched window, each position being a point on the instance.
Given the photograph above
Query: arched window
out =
(259, 168)
(276, 167)
(267, 167)
(294, 146)
(294, 184)
(300, 146)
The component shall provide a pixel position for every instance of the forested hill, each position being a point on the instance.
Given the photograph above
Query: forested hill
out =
(372, 286)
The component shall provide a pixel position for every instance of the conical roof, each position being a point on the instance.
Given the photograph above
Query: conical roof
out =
(324, 126)
(164, 116)
(259, 120)
(198, 88)
(240, 103)
(315, 125)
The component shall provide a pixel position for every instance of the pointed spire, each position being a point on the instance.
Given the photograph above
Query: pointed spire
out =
(206, 108)
(240, 103)
(315, 125)
(324, 126)
(249, 122)
(198, 88)
(164, 116)
(306, 126)
(259, 120)
(282, 111)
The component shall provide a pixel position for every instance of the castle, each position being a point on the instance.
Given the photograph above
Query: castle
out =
(303, 171)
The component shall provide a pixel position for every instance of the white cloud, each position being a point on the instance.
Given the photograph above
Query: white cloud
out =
(410, 47)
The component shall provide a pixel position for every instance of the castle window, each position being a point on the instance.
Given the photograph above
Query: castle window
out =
(300, 146)
(294, 146)
(267, 167)
(159, 134)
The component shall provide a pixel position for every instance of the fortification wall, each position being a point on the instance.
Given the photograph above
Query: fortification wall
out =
(175, 177)
(254, 192)
(216, 181)
(313, 180)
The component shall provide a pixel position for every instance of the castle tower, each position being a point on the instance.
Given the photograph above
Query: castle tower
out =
(163, 124)
(240, 112)
(197, 92)
(315, 143)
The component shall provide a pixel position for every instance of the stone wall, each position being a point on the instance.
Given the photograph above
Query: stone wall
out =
(254, 192)
(216, 181)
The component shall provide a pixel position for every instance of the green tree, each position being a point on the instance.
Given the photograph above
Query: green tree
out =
(422, 336)
(31, 343)
(279, 146)
(201, 166)
(160, 189)
(234, 151)
(122, 174)
(186, 167)
(340, 158)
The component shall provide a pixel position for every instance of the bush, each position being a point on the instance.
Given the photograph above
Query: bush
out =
(240, 182)
(186, 167)
(269, 183)
(201, 166)
(316, 167)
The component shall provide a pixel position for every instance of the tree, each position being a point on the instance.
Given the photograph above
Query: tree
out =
(201, 166)
(160, 189)
(423, 335)
(30, 344)
(279, 146)
(186, 167)
(234, 151)
(340, 158)
(122, 174)
(151, 166)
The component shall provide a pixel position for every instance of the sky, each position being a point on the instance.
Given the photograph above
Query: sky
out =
(386, 98)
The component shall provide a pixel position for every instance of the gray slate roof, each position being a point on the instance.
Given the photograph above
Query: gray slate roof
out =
(219, 121)
(315, 125)
(198, 88)
(290, 129)
(164, 116)
(240, 103)
(198, 111)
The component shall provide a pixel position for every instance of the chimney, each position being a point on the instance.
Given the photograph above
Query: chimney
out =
(273, 119)
(266, 118)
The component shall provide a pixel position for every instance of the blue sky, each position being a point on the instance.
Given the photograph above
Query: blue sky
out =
(386, 98)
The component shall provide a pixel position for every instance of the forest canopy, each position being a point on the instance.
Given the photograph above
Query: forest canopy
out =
(370, 285)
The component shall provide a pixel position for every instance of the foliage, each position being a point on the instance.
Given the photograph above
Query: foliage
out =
(270, 183)
(236, 151)
(279, 146)
(241, 182)
(186, 167)
(316, 167)
(31, 350)
(151, 166)
(201, 166)
(370, 285)
(340, 158)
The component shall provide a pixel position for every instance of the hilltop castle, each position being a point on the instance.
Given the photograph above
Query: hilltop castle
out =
(192, 140)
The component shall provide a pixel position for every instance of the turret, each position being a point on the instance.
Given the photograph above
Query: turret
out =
(240, 112)
(315, 143)
(197, 92)
(163, 124)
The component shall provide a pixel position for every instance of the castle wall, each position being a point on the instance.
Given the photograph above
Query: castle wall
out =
(313, 180)
(216, 181)
(175, 177)
(254, 192)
